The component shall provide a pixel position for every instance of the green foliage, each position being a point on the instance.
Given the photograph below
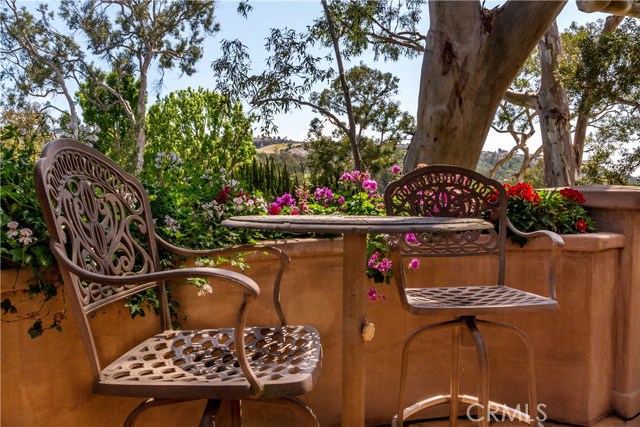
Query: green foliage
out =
(600, 68)
(37, 59)
(602, 167)
(25, 240)
(380, 123)
(326, 157)
(267, 177)
(390, 29)
(601, 71)
(205, 129)
(116, 135)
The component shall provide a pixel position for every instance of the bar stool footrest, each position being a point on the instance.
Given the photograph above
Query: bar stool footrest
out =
(494, 408)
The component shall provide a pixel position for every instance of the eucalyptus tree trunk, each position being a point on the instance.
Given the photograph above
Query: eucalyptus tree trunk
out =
(471, 57)
(554, 114)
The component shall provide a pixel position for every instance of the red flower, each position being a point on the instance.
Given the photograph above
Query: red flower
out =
(493, 197)
(274, 209)
(581, 225)
(524, 191)
(572, 194)
(223, 195)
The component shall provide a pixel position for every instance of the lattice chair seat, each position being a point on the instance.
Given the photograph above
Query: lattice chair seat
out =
(188, 362)
(474, 300)
(103, 237)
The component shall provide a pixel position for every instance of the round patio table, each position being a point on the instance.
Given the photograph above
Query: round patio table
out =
(354, 228)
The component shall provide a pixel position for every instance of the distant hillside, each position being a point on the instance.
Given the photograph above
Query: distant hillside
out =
(488, 159)
(293, 151)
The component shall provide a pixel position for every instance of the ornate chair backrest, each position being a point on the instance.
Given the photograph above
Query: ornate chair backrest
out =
(99, 219)
(449, 191)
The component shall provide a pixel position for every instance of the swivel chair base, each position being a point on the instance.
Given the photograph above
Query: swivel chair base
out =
(485, 409)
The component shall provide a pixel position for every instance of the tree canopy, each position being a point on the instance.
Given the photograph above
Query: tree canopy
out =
(202, 128)
(126, 37)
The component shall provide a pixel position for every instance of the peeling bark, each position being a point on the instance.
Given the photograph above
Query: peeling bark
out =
(471, 57)
(554, 114)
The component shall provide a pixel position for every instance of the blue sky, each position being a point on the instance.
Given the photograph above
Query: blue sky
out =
(297, 14)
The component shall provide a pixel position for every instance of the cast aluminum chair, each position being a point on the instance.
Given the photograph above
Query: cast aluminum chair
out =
(103, 237)
(447, 191)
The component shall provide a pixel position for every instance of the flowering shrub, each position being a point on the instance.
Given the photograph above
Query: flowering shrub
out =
(25, 243)
(356, 194)
(560, 211)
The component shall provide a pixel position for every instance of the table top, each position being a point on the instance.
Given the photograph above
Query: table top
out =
(355, 223)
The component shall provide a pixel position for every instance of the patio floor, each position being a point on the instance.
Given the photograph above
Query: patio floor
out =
(611, 421)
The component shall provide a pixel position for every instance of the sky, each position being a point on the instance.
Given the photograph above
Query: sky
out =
(297, 14)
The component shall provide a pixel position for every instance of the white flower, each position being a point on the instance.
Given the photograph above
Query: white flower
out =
(172, 224)
(205, 289)
(72, 126)
(25, 236)
(174, 158)
(238, 200)
(12, 225)
(199, 263)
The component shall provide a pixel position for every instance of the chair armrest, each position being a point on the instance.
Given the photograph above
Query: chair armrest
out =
(284, 262)
(249, 287)
(556, 247)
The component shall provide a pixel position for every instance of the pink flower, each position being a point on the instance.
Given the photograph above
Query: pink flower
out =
(374, 295)
(341, 200)
(395, 169)
(411, 238)
(370, 185)
(295, 212)
(274, 209)
(346, 177)
(414, 264)
(25, 236)
(384, 265)
(302, 193)
(323, 193)
(286, 200)
(373, 261)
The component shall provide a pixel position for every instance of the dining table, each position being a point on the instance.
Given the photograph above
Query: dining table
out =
(354, 229)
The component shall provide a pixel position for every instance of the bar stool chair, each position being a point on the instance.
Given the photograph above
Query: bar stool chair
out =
(448, 191)
(103, 237)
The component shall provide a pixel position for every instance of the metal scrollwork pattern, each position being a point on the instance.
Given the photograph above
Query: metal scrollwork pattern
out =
(446, 192)
(102, 218)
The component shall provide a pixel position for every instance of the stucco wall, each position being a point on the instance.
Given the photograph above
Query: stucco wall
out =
(46, 382)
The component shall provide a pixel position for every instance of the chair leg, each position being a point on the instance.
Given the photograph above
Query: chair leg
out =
(236, 412)
(147, 404)
(298, 406)
(399, 419)
(210, 412)
(531, 367)
(455, 378)
(483, 368)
